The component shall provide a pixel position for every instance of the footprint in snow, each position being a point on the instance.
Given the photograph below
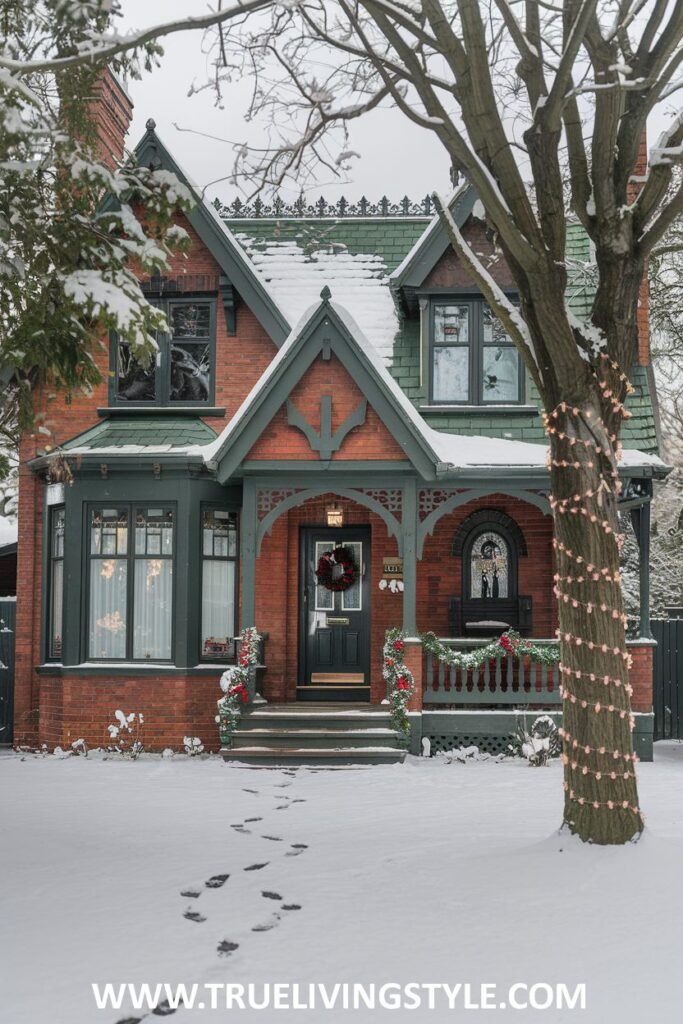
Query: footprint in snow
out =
(216, 881)
(271, 895)
(163, 1009)
(283, 785)
(126, 1020)
(250, 791)
(299, 800)
(191, 894)
(240, 828)
(194, 915)
(291, 906)
(267, 926)
(297, 850)
(225, 948)
(273, 839)
(248, 820)
(282, 807)
(256, 867)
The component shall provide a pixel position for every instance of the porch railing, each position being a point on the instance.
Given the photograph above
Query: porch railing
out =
(499, 681)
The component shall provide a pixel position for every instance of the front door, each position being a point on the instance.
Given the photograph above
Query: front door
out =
(334, 648)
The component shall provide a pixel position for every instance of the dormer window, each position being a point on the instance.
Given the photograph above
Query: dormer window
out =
(183, 372)
(472, 360)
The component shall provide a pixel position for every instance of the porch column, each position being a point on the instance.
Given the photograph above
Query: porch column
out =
(409, 529)
(644, 568)
(248, 527)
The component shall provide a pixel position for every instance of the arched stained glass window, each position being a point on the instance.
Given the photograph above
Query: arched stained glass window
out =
(489, 566)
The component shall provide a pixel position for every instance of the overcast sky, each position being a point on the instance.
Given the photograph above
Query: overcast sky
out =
(397, 158)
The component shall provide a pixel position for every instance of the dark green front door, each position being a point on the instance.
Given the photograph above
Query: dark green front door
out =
(334, 644)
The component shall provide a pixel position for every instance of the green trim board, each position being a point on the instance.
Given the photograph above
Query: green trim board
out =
(219, 240)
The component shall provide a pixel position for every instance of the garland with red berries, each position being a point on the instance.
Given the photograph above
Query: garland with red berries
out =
(234, 684)
(510, 643)
(326, 563)
(399, 679)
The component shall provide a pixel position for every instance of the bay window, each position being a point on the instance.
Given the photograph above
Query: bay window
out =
(130, 558)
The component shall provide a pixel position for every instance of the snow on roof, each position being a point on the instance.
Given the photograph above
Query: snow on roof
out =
(295, 277)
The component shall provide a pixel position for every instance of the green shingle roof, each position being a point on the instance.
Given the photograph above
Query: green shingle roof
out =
(144, 431)
(391, 239)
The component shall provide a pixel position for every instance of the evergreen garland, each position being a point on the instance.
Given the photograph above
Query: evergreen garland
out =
(234, 683)
(399, 679)
(510, 644)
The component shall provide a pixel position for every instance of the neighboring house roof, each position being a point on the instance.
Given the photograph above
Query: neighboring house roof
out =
(144, 434)
(219, 240)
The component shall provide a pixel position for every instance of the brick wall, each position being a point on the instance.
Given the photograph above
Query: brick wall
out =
(372, 440)
(111, 110)
(440, 572)
(449, 272)
(640, 676)
(173, 707)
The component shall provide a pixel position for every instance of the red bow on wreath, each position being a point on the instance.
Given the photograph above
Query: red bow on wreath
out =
(326, 563)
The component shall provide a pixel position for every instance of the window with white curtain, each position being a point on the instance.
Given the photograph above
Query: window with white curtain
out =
(131, 584)
(219, 582)
(56, 584)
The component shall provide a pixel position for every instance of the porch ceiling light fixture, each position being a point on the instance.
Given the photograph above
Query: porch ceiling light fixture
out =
(335, 515)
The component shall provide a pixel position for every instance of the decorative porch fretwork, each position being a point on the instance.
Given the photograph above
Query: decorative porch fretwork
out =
(390, 498)
(430, 498)
(269, 498)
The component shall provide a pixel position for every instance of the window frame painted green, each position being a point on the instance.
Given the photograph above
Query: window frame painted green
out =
(52, 512)
(475, 347)
(214, 506)
(163, 360)
(131, 507)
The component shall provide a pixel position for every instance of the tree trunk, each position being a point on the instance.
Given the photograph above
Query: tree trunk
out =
(601, 797)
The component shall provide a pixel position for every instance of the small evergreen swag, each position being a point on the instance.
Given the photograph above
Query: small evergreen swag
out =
(399, 679)
(510, 644)
(234, 683)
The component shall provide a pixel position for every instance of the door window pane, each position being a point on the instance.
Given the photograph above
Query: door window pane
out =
(352, 599)
(324, 598)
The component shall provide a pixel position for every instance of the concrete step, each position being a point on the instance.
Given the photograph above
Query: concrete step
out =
(314, 719)
(271, 756)
(319, 737)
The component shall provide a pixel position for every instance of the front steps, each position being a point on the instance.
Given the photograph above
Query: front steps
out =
(322, 734)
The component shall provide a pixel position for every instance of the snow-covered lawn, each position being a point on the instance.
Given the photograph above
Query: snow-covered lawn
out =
(425, 872)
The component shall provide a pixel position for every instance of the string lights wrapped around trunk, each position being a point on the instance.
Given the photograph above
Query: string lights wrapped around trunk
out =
(601, 800)
(235, 684)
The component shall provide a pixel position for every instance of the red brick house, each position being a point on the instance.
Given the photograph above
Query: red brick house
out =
(333, 378)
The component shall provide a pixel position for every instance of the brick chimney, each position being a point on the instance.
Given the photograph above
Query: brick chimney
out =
(112, 111)
(634, 186)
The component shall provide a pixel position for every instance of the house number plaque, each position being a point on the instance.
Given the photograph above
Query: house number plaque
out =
(393, 568)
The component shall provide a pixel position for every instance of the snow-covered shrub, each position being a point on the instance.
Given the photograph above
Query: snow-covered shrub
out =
(538, 744)
(80, 747)
(125, 735)
(193, 745)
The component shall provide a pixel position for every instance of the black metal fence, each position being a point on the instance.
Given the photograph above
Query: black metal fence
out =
(668, 678)
(8, 622)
